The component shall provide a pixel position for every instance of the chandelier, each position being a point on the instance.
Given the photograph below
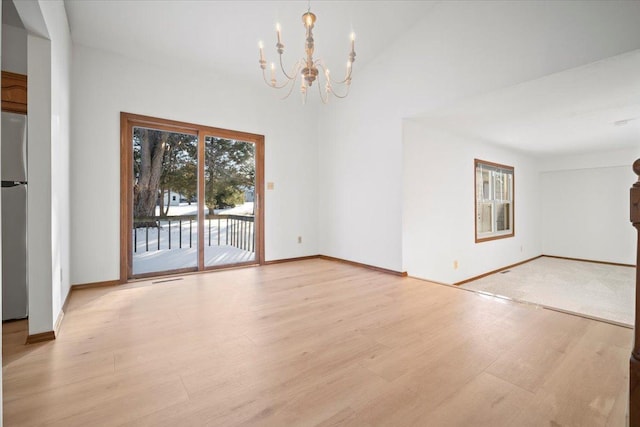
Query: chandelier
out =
(307, 68)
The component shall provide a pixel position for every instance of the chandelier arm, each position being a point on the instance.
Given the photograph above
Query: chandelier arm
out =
(293, 84)
(264, 77)
(341, 96)
(330, 85)
(276, 86)
(347, 78)
(325, 71)
(322, 98)
(319, 63)
(341, 82)
(285, 73)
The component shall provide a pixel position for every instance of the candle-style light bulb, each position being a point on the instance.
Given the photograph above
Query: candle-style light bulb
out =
(261, 47)
(353, 40)
(278, 32)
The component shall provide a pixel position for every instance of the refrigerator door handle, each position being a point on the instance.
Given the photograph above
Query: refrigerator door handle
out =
(12, 183)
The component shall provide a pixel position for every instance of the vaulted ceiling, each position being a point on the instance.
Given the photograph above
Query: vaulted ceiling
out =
(224, 35)
(592, 107)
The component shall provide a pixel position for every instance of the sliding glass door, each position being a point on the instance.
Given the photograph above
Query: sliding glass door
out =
(165, 215)
(189, 197)
(229, 188)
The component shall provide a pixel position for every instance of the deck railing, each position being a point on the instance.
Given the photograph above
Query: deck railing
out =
(171, 232)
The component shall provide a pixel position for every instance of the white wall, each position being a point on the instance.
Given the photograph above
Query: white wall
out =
(438, 207)
(14, 47)
(585, 206)
(56, 20)
(48, 68)
(462, 49)
(39, 192)
(105, 84)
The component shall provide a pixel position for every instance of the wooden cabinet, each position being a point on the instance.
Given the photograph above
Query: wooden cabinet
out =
(14, 92)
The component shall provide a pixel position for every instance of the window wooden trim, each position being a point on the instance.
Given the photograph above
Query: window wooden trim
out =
(127, 122)
(476, 162)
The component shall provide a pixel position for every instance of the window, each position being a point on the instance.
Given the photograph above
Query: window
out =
(493, 201)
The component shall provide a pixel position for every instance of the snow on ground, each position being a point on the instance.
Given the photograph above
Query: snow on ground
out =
(179, 242)
(192, 209)
(173, 259)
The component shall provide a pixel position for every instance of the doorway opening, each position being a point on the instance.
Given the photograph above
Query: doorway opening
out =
(190, 197)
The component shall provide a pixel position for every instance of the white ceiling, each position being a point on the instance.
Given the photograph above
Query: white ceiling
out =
(571, 111)
(224, 35)
(10, 15)
(589, 108)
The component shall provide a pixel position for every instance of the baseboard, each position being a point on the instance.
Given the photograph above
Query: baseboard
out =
(471, 279)
(63, 310)
(56, 326)
(344, 261)
(590, 260)
(41, 337)
(66, 301)
(95, 284)
(51, 335)
(358, 264)
(283, 260)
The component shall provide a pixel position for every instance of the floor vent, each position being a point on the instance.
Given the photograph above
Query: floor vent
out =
(166, 280)
(505, 271)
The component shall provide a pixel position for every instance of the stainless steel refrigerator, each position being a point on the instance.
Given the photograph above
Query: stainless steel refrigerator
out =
(15, 303)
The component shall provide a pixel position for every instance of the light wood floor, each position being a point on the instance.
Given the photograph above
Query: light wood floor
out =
(313, 343)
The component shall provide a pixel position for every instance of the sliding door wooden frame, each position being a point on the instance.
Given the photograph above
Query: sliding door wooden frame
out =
(258, 142)
(201, 183)
(127, 122)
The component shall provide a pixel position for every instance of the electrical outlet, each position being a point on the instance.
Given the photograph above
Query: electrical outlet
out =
(299, 239)
(455, 264)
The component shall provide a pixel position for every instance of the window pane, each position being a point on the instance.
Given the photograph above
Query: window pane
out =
(164, 210)
(484, 218)
(229, 201)
(486, 185)
(503, 220)
(501, 185)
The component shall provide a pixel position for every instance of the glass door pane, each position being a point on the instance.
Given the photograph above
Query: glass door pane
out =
(229, 223)
(165, 208)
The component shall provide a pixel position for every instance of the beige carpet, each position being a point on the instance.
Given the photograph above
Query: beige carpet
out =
(599, 291)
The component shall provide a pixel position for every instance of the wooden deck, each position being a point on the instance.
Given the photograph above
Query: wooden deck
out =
(313, 343)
